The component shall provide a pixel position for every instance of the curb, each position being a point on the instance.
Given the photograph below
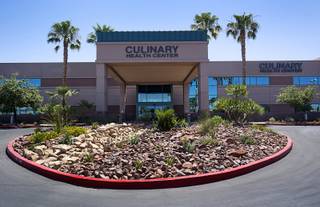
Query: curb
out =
(146, 183)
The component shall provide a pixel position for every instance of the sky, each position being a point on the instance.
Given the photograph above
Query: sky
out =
(289, 29)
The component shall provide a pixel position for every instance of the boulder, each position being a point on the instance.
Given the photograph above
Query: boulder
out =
(62, 147)
(30, 155)
(187, 165)
(40, 149)
(237, 152)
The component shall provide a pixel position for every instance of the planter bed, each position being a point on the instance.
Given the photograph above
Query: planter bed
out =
(134, 152)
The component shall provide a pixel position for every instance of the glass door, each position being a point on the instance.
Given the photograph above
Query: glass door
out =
(151, 98)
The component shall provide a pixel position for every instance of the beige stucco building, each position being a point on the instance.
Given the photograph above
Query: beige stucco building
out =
(138, 72)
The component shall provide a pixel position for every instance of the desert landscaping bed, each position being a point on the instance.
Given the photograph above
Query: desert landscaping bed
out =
(132, 151)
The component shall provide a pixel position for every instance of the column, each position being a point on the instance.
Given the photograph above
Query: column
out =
(186, 105)
(101, 88)
(123, 101)
(203, 94)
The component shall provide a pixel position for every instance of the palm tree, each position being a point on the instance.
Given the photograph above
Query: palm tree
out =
(92, 37)
(242, 28)
(207, 22)
(67, 34)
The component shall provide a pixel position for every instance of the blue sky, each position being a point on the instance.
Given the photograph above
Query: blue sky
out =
(290, 29)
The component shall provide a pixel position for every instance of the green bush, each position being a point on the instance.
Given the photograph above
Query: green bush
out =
(39, 137)
(237, 106)
(261, 128)
(138, 164)
(169, 160)
(247, 140)
(66, 140)
(209, 140)
(272, 119)
(73, 131)
(94, 125)
(134, 139)
(165, 119)
(298, 98)
(210, 124)
(87, 157)
(289, 119)
(182, 123)
(188, 145)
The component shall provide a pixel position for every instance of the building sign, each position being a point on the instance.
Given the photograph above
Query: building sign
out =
(152, 51)
(281, 67)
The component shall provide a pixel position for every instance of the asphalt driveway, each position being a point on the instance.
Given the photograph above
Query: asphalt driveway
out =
(292, 181)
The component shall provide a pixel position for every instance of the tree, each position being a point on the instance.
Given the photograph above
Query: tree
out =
(67, 34)
(60, 97)
(18, 93)
(298, 98)
(207, 22)
(237, 106)
(242, 28)
(92, 37)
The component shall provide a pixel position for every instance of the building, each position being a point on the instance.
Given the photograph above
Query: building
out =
(138, 72)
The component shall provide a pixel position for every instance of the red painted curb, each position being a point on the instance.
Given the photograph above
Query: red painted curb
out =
(146, 183)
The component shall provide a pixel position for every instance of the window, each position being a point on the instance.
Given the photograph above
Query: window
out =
(213, 91)
(250, 80)
(306, 80)
(193, 95)
(315, 107)
(35, 82)
(21, 111)
(154, 94)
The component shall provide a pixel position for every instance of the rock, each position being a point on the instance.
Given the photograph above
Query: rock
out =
(55, 164)
(187, 165)
(237, 152)
(94, 146)
(30, 155)
(62, 147)
(83, 145)
(160, 172)
(119, 172)
(40, 149)
(180, 173)
(230, 141)
(68, 159)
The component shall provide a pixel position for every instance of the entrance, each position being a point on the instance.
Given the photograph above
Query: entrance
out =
(151, 98)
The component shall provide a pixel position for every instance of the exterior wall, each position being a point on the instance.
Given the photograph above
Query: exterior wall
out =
(265, 95)
(81, 76)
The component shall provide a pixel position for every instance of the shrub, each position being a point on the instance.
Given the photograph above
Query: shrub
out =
(138, 164)
(182, 123)
(134, 139)
(52, 113)
(261, 128)
(87, 157)
(94, 125)
(237, 106)
(289, 119)
(165, 119)
(66, 140)
(210, 124)
(247, 140)
(39, 137)
(169, 160)
(73, 131)
(298, 98)
(209, 140)
(188, 145)
(272, 119)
